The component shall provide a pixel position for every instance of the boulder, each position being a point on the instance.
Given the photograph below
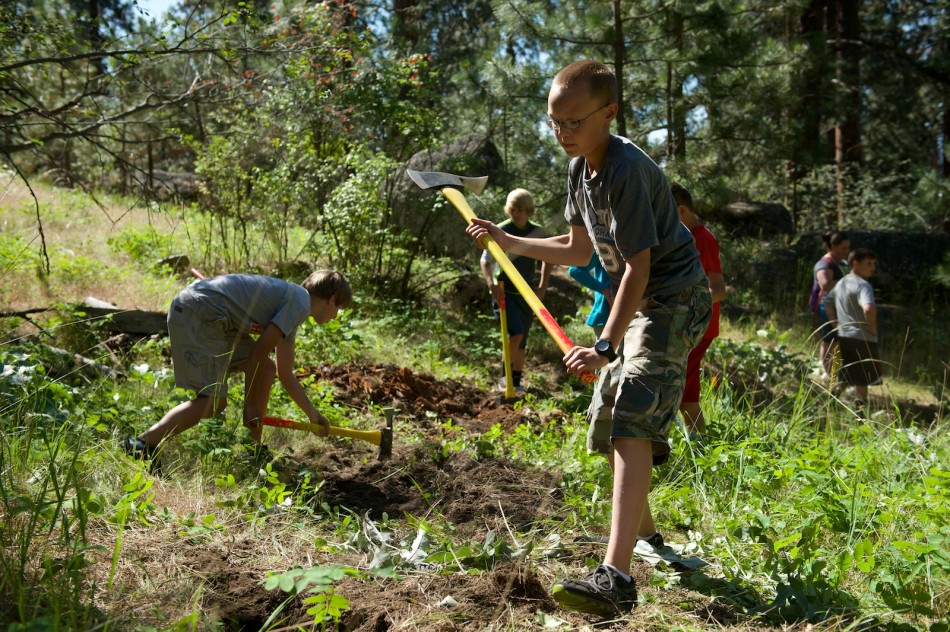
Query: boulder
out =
(754, 219)
(441, 228)
(180, 264)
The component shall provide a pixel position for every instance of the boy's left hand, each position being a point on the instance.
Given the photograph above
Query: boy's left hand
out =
(580, 359)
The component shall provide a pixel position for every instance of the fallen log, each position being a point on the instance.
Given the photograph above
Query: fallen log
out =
(125, 321)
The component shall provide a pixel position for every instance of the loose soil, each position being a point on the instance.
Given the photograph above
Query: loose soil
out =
(474, 495)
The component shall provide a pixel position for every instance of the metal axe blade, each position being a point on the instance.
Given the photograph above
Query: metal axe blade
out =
(439, 180)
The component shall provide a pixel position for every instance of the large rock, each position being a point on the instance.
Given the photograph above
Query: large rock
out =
(443, 229)
(754, 219)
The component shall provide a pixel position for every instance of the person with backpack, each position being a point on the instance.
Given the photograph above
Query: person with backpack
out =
(830, 269)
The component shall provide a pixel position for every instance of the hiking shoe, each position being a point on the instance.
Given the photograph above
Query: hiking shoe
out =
(138, 449)
(655, 540)
(262, 454)
(603, 593)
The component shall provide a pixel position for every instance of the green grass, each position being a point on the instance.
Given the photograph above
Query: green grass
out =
(810, 510)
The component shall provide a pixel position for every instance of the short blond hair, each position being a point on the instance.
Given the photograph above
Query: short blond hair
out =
(520, 199)
(327, 284)
(598, 78)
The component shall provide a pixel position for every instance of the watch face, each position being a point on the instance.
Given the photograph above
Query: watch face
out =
(604, 348)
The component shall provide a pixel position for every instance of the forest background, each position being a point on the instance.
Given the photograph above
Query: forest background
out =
(258, 135)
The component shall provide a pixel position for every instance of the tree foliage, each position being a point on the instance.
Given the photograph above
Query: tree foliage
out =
(291, 111)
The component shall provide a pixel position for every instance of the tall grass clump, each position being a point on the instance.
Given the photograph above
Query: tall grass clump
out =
(44, 506)
(821, 511)
(809, 508)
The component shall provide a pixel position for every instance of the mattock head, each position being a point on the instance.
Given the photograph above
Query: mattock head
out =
(386, 436)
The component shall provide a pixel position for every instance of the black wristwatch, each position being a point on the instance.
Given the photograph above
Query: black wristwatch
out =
(605, 348)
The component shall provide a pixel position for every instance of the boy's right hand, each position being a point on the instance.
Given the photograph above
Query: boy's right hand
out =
(495, 292)
(481, 228)
(320, 420)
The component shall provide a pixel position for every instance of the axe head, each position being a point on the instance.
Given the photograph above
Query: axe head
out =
(386, 436)
(439, 180)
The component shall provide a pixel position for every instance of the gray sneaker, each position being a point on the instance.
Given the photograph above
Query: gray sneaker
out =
(655, 540)
(603, 593)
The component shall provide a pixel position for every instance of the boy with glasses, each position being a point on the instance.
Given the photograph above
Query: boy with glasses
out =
(620, 204)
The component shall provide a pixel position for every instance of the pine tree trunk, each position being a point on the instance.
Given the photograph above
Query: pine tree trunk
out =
(808, 115)
(845, 16)
(676, 138)
(946, 131)
(619, 50)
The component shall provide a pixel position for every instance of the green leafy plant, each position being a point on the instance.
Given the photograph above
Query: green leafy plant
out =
(325, 605)
(142, 245)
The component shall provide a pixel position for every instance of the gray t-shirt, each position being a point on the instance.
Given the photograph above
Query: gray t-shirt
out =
(627, 207)
(251, 302)
(850, 294)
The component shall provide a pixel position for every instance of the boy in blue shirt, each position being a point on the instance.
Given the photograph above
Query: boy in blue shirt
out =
(619, 203)
(595, 278)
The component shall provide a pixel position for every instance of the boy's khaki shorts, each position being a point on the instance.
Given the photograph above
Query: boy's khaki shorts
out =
(637, 396)
(204, 347)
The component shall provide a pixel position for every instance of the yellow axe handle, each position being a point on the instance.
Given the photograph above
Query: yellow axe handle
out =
(560, 338)
(372, 436)
(505, 343)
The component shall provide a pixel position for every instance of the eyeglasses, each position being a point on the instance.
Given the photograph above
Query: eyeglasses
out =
(573, 124)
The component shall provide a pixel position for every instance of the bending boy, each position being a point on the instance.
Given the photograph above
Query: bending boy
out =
(210, 325)
(619, 203)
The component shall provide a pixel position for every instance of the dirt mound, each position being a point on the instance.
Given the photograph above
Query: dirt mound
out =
(418, 397)
(464, 490)
(509, 592)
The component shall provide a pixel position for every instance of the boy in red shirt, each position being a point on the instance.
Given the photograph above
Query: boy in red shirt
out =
(709, 258)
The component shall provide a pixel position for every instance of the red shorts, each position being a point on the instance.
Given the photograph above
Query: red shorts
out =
(691, 392)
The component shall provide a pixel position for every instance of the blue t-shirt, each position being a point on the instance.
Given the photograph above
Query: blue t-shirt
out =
(627, 207)
(594, 277)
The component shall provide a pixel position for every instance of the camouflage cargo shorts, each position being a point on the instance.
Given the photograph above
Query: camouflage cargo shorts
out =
(638, 395)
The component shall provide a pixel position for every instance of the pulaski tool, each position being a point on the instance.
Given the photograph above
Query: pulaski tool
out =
(450, 185)
(382, 437)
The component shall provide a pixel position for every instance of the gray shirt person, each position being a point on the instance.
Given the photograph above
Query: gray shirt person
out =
(627, 208)
(849, 297)
(250, 302)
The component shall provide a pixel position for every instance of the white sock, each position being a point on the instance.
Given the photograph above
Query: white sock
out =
(647, 537)
(625, 577)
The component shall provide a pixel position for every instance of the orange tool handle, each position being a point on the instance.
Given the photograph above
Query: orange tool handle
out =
(560, 338)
